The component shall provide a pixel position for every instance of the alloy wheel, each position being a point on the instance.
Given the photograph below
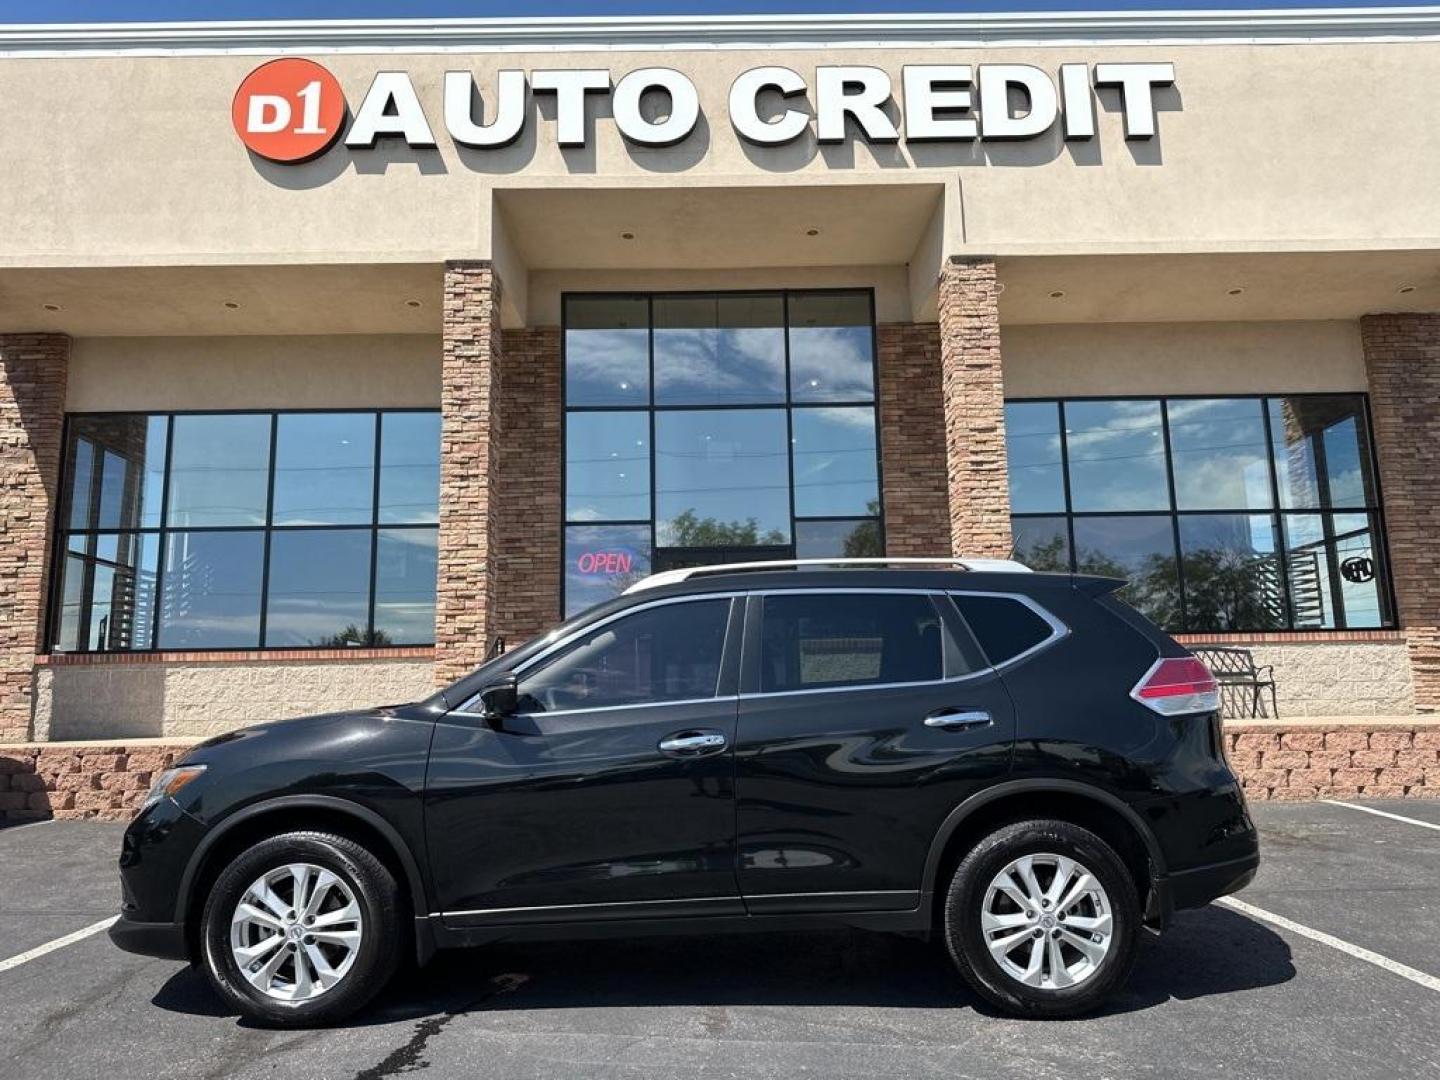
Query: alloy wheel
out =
(296, 931)
(1047, 921)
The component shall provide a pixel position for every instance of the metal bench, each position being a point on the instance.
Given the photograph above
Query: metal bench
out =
(1242, 684)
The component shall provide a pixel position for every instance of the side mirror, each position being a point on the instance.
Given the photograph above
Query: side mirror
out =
(501, 698)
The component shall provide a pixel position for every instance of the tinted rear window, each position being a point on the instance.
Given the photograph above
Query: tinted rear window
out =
(810, 641)
(1005, 628)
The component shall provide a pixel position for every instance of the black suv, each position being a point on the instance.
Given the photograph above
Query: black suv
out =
(1016, 763)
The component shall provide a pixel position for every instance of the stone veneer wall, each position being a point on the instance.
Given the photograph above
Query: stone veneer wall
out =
(915, 487)
(974, 401)
(471, 403)
(32, 416)
(1402, 364)
(530, 550)
(1320, 677)
(199, 698)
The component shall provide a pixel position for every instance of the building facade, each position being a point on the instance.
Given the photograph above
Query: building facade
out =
(331, 354)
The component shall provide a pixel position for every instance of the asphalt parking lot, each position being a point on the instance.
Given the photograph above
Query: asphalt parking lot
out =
(1224, 993)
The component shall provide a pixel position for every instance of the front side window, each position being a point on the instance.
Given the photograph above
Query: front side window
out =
(248, 530)
(667, 653)
(813, 641)
(1225, 514)
(716, 427)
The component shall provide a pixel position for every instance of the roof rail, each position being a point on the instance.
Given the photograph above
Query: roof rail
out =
(671, 577)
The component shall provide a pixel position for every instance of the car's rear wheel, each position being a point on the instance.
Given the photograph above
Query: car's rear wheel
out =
(301, 929)
(1042, 919)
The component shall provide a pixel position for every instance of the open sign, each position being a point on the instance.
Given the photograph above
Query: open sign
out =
(606, 562)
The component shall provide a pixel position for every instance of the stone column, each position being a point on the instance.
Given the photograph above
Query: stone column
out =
(916, 493)
(1402, 363)
(32, 415)
(974, 397)
(470, 437)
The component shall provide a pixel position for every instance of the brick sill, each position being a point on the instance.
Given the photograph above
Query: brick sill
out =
(252, 656)
(1294, 637)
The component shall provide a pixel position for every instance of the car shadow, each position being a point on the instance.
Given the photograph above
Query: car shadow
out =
(1205, 953)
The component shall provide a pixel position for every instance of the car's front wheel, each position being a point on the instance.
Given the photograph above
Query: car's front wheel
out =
(1042, 919)
(302, 929)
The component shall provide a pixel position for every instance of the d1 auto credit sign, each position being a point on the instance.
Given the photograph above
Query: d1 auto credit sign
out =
(289, 110)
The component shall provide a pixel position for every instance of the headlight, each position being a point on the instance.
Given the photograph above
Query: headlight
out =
(169, 782)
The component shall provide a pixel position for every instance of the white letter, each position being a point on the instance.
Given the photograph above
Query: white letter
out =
(310, 117)
(744, 96)
(932, 90)
(996, 121)
(859, 91)
(1135, 81)
(279, 118)
(1079, 108)
(375, 118)
(509, 117)
(684, 107)
(570, 88)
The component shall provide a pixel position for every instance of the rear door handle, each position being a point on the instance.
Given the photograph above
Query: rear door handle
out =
(692, 743)
(959, 719)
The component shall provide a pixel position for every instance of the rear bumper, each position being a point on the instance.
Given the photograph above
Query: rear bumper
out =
(165, 940)
(1199, 885)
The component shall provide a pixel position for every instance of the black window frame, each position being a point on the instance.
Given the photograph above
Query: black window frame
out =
(1373, 511)
(62, 532)
(709, 555)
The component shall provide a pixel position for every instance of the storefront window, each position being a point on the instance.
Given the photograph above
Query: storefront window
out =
(1224, 514)
(758, 440)
(248, 530)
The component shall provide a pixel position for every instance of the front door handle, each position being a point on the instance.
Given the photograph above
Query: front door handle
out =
(692, 743)
(959, 719)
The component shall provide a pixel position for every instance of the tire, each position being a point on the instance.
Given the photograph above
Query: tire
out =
(1090, 967)
(357, 972)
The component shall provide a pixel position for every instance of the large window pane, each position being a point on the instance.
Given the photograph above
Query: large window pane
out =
(602, 561)
(607, 351)
(107, 592)
(219, 470)
(405, 573)
(810, 642)
(324, 469)
(1334, 571)
(319, 588)
(1032, 451)
(1042, 543)
(1361, 599)
(211, 592)
(1140, 549)
(832, 347)
(1232, 572)
(607, 466)
(838, 539)
(669, 653)
(116, 471)
(720, 350)
(1219, 454)
(1117, 455)
(835, 462)
(1321, 452)
(409, 468)
(722, 478)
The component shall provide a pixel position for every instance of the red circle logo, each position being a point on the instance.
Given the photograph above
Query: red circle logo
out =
(288, 110)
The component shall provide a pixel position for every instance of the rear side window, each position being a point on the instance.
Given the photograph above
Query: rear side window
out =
(814, 641)
(1004, 627)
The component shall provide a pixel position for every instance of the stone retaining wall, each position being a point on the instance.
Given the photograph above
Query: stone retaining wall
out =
(1360, 759)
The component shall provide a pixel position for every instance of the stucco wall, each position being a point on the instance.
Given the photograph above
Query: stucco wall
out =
(281, 372)
(1370, 678)
(1074, 359)
(184, 699)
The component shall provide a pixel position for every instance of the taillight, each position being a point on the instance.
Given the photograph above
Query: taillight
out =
(1176, 685)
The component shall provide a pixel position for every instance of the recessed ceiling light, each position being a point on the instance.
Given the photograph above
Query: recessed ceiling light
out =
(627, 236)
(1234, 292)
(1058, 294)
(51, 307)
(231, 304)
(812, 232)
(1403, 289)
(412, 303)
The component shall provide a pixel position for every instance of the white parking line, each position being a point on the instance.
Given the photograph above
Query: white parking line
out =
(1420, 978)
(1383, 813)
(59, 943)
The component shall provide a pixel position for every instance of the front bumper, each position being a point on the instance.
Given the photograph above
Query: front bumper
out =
(165, 940)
